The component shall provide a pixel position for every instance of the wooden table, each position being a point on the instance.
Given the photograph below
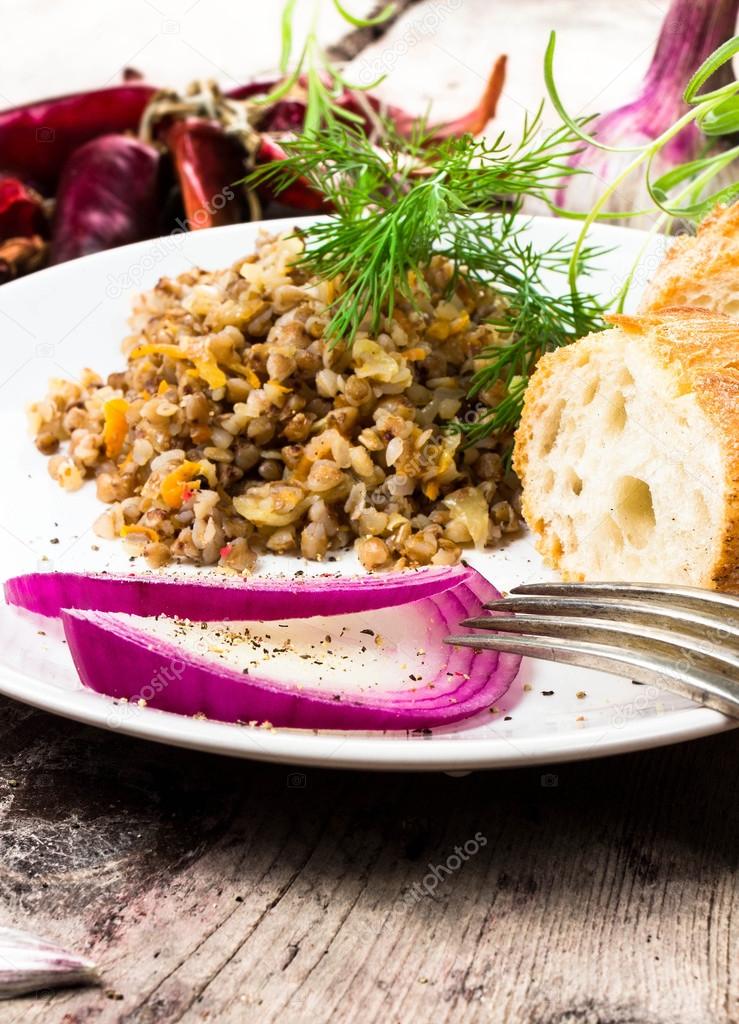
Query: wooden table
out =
(218, 890)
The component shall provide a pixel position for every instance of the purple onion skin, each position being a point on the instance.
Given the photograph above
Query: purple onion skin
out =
(691, 31)
(109, 195)
(284, 116)
(259, 87)
(172, 679)
(222, 599)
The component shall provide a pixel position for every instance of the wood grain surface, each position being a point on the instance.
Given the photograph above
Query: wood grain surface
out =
(218, 890)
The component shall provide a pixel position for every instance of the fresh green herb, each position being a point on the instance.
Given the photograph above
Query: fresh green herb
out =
(399, 206)
(533, 320)
(378, 19)
(684, 192)
(323, 80)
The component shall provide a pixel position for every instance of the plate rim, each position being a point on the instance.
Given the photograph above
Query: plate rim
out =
(278, 224)
(377, 753)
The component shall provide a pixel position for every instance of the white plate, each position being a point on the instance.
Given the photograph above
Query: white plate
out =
(62, 319)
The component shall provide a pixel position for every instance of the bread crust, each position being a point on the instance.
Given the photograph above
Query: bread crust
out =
(701, 350)
(706, 263)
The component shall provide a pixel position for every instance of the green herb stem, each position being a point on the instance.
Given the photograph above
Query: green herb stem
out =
(715, 112)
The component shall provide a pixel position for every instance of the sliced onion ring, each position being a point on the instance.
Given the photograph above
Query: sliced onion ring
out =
(216, 599)
(453, 683)
(127, 658)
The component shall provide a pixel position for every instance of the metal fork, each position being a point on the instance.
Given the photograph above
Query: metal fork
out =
(678, 638)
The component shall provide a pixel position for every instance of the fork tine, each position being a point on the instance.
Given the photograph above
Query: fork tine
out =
(683, 597)
(706, 622)
(600, 631)
(712, 689)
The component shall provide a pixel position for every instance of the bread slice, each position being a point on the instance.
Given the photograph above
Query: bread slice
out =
(628, 452)
(700, 270)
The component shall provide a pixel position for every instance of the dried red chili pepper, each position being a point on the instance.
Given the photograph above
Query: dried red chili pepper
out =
(21, 210)
(209, 164)
(109, 195)
(473, 122)
(283, 116)
(259, 87)
(299, 194)
(109, 185)
(37, 139)
(201, 178)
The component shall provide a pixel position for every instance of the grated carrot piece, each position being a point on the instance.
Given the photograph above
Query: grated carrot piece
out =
(461, 323)
(115, 426)
(177, 481)
(211, 372)
(246, 372)
(302, 469)
(148, 349)
(205, 367)
(439, 330)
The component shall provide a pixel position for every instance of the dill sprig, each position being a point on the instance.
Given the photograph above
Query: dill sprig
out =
(532, 322)
(399, 206)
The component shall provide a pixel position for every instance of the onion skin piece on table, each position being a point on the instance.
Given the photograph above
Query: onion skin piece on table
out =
(108, 196)
(457, 681)
(226, 598)
(29, 963)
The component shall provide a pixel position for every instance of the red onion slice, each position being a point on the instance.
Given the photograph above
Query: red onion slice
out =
(214, 600)
(442, 684)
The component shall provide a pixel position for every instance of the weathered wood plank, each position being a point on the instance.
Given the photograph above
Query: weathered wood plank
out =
(213, 890)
